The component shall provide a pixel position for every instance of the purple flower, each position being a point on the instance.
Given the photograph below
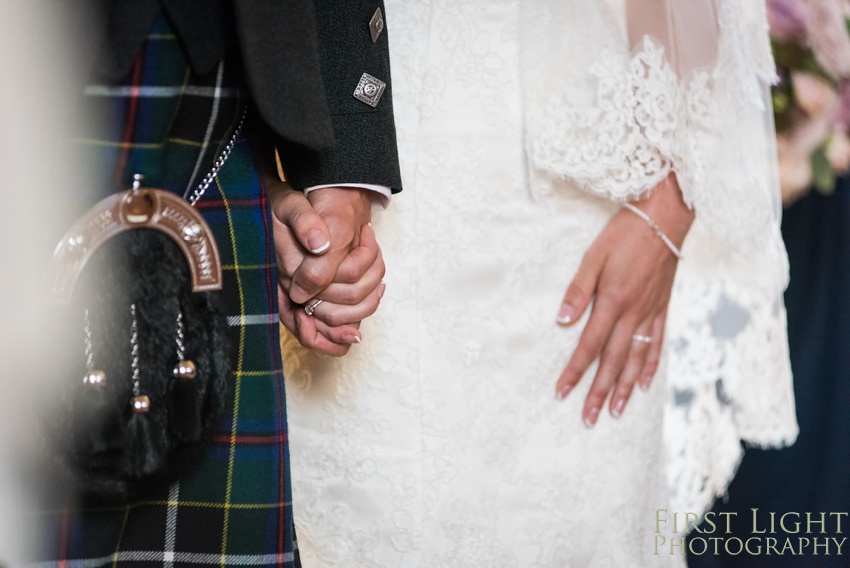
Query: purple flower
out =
(788, 19)
(829, 39)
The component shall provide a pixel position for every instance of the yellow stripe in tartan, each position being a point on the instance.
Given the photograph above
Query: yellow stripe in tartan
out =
(239, 362)
(178, 503)
(247, 267)
(256, 373)
(121, 535)
(137, 145)
(186, 142)
(114, 144)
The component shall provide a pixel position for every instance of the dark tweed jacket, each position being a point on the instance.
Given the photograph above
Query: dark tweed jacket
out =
(302, 59)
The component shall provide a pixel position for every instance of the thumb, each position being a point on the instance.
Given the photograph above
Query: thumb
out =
(581, 289)
(294, 210)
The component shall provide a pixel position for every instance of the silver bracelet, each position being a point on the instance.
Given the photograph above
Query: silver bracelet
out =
(655, 228)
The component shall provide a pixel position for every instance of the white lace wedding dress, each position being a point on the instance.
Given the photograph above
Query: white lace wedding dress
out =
(438, 441)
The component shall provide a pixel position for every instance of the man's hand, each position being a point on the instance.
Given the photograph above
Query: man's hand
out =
(344, 211)
(326, 250)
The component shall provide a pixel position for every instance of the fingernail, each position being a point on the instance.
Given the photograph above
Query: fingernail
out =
(563, 392)
(592, 417)
(644, 384)
(351, 339)
(618, 408)
(566, 314)
(317, 241)
(381, 289)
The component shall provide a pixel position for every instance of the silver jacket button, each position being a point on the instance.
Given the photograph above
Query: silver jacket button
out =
(376, 25)
(369, 90)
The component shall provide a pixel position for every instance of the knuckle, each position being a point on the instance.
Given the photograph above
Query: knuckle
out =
(313, 275)
(596, 396)
(306, 341)
(372, 303)
(301, 219)
(342, 351)
(333, 319)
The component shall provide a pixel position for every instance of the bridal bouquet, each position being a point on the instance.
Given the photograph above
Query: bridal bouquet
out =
(811, 101)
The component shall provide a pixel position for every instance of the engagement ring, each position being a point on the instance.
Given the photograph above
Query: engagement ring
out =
(310, 308)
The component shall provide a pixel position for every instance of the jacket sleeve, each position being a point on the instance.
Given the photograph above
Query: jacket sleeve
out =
(365, 149)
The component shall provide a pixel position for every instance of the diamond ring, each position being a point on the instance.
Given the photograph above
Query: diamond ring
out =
(310, 308)
(642, 338)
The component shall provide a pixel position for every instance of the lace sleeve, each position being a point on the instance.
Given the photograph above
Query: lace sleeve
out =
(644, 88)
(670, 87)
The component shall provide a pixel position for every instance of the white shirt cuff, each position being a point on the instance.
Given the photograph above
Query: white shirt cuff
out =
(380, 198)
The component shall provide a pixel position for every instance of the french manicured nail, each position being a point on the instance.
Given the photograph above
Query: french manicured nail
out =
(562, 393)
(317, 241)
(381, 289)
(617, 410)
(351, 339)
(592, 417)
(566, 314)
(644, 384)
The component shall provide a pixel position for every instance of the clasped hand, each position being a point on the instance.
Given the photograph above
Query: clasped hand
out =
(326, 250)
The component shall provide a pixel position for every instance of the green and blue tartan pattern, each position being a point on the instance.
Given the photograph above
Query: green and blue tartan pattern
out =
(234, 508)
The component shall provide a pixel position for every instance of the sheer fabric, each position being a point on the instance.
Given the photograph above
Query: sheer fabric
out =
(651, 87)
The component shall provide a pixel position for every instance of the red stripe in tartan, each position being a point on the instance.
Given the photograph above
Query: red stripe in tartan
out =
(63, 537)
(271, 291)
(129, 121)
(219, 203)
(225, 439)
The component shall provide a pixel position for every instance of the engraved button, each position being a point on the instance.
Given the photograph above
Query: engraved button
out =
(369, 90)
(376, 25)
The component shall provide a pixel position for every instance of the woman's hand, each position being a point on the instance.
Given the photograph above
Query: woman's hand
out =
(629, 270)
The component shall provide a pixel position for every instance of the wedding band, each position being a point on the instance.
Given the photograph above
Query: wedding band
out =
(310, 308)
(642, 338)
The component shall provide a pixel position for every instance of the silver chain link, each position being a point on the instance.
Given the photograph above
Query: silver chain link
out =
(181, 347)
(134, 343)
(217, 165)
(89, 348)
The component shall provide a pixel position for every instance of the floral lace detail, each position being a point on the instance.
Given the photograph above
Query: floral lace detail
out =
(622, 145)
(633, 120)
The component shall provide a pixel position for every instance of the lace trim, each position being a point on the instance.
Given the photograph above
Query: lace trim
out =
(642, 121)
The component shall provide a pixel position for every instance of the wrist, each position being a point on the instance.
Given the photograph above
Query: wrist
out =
(354, 203)
(667, 208)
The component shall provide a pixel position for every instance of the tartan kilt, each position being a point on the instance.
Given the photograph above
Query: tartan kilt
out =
(234, 508)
